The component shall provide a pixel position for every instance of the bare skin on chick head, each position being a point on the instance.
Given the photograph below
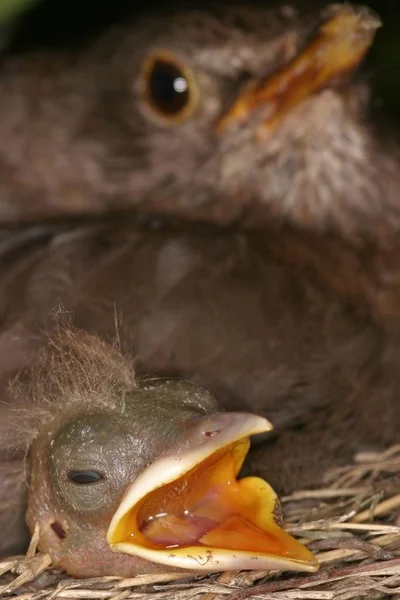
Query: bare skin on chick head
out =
(129, 478)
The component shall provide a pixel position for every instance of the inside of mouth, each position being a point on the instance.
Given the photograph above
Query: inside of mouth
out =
(208, 506)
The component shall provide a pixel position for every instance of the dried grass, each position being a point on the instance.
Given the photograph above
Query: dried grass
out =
(352, 524)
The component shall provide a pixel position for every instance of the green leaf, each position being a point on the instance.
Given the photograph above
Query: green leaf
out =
(11, 8)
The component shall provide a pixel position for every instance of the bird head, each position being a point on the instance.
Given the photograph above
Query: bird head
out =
(130, 477)
(239, 114)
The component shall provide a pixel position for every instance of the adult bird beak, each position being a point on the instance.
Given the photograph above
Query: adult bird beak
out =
(189, 510)
(336, 48)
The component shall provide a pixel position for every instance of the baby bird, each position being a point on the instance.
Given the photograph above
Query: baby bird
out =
(126, 477)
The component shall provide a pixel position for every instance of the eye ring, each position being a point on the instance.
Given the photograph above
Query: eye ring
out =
(84, 477)
(169, 90)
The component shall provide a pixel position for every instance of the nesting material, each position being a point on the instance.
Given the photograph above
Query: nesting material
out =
(352, 523)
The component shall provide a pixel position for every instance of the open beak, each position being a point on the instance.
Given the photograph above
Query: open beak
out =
(336, 48)
(189, 510)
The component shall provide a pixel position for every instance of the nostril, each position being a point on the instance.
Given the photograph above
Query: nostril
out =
(211, 433)
(59, 530)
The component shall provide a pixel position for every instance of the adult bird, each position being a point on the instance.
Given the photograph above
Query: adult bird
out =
(222, 114)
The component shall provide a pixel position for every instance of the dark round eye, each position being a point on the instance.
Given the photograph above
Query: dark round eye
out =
(168, 88)
(84, 477)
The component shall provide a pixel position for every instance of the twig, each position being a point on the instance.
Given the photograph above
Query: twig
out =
(390, 567)
(380, 509)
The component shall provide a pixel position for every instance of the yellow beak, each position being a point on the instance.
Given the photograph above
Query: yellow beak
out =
(189, 510)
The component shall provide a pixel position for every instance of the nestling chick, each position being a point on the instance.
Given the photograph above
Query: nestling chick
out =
(224, 114)
(127, 477)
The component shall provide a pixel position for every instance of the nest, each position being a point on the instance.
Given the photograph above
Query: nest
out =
(352, 524)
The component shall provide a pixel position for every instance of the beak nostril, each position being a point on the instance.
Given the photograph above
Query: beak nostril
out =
(59, 530)
(211, 433)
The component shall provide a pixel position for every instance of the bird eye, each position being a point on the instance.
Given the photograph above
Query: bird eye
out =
(169, 88)
(84, 477)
